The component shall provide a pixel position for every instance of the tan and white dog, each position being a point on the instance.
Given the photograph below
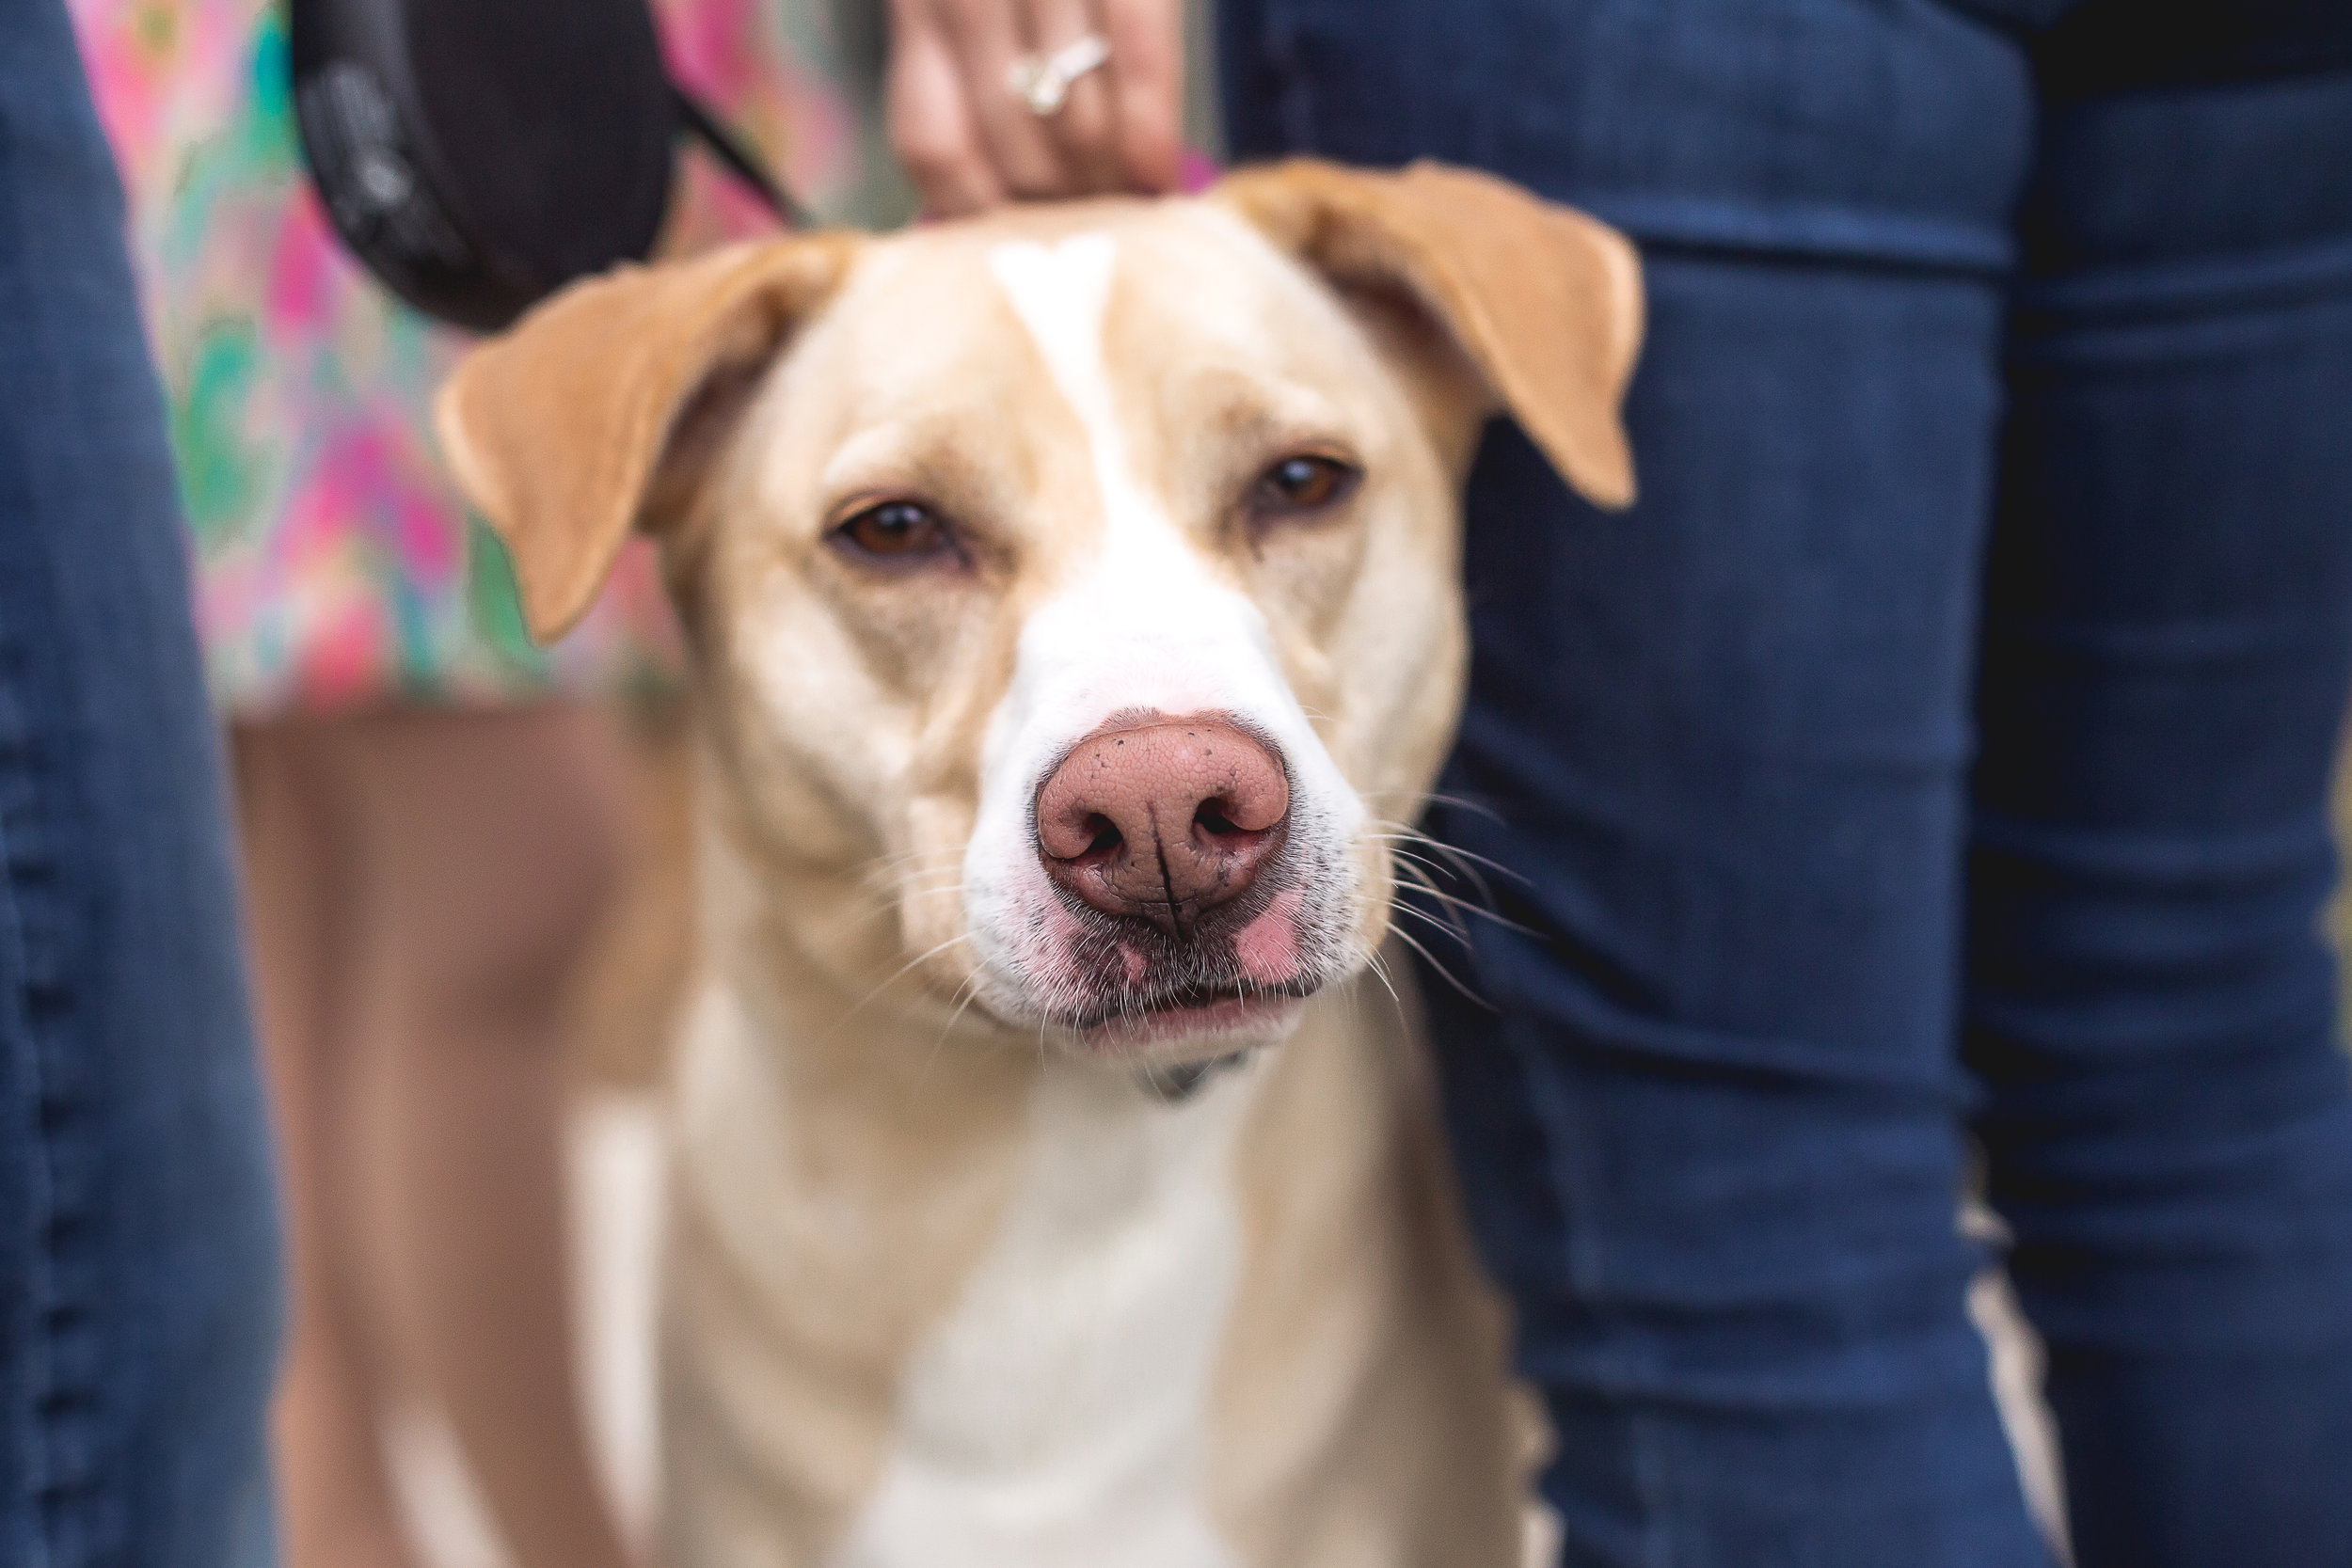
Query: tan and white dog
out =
(1073, 595)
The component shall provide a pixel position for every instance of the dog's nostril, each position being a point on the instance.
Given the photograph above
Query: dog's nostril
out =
(1211, 816)
(1106, 835)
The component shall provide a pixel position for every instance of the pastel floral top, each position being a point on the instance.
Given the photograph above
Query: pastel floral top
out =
(336, 567)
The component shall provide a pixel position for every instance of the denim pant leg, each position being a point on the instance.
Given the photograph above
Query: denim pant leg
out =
(138, 1286)
(1710, 1125)
(2168, 649)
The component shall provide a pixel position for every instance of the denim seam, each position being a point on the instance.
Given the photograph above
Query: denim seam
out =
(70, 1524)
(42, 1384)
(37, 1172)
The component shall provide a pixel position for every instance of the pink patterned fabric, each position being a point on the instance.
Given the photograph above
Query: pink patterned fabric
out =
(336, 567)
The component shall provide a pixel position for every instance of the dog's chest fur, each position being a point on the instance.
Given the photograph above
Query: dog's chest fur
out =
(1231, 1331)
(1057, 1413)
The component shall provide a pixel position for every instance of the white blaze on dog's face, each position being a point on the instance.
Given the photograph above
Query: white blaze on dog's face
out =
(1083, 533)
(1291, 520)
(1083, 579)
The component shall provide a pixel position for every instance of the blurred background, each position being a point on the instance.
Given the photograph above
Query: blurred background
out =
(401, 748)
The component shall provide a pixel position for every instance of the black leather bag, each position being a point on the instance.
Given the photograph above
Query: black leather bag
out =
(476, 155)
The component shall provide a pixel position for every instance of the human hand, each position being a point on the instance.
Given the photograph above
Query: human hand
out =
(969, 141)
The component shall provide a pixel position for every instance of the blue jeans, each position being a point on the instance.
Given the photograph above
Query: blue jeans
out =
(1934, 762)
(138, 1286)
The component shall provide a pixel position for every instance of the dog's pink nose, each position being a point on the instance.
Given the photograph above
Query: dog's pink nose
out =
(1164, 819)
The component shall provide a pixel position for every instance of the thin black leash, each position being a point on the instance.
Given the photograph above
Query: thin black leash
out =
(738, 160)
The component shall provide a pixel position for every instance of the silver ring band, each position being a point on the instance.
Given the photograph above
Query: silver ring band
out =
(1043, 81)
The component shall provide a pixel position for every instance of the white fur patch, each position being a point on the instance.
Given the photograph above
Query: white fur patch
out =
(1141, 623)
(1056, 1418)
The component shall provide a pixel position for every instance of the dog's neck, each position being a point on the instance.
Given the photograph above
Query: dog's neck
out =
(1042, 1251)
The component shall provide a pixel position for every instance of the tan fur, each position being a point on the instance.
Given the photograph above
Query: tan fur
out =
(1360, 1388)
(1488, 262)
(852, 1127)
(599, 382)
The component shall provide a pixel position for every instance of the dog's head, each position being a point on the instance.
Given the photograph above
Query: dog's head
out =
(1083, 579)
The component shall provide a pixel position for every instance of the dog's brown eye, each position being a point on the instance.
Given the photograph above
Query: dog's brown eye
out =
(1303, 482)
(895, 531)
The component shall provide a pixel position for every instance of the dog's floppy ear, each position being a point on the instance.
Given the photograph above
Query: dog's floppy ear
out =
(1545, 302)
(569, 428)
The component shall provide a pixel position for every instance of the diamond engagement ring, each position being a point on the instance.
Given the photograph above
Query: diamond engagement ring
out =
(1043, 81)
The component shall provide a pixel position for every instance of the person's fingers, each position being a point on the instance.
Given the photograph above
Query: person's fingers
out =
(1087, 130)
(931, 127)
(1148, 86)
(969, 140)
(986, 38)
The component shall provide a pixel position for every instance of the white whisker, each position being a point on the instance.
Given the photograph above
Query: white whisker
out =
(896, 976)
(1444, 973)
